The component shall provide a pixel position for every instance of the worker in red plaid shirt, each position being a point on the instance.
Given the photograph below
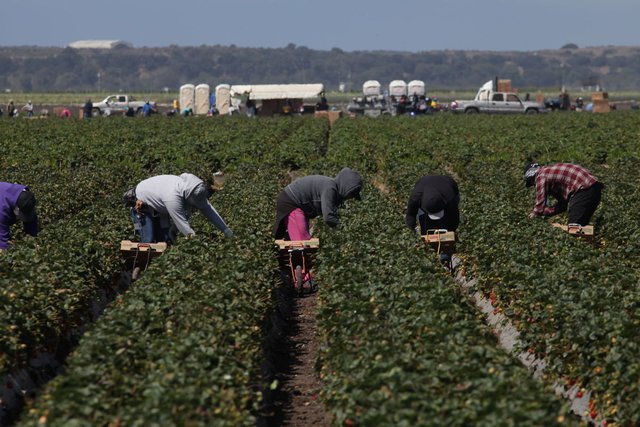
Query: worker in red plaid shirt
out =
(571, 185)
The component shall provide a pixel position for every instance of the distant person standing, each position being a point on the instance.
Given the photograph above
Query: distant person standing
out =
(212, 104)
(64, 113)
(28, 108)
(147, 109)
(87, 111)
(323, 105)
(11, 109)
(251, 107)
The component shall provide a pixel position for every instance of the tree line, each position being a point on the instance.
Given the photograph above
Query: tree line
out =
(53, 69)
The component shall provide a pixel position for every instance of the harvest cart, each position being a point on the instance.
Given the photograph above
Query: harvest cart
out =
(443, 242)
(138, 255)
(294, 259)
(582, 231)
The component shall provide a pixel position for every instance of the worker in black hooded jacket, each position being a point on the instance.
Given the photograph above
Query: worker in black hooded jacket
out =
(434, 203)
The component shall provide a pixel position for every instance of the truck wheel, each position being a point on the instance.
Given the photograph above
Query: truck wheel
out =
(471, 111)
(96, 112)
(531, 111)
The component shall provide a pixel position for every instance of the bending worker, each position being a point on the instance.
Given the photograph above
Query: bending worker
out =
(312, 196)
(17, 203)
(571, 185)
(434, 203)
(164, 205)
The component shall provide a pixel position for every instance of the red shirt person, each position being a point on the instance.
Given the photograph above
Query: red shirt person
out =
(573, 186)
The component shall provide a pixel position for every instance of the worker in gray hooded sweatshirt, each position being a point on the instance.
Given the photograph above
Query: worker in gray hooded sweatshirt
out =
(165, 203)
(309, 197)
(312, 196)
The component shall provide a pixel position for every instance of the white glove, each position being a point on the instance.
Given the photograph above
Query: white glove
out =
(227, 232)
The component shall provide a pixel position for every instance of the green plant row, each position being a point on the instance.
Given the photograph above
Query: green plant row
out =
(78, 170)
(573, 303)
(183, 345)
(225, 294)
(48, 285)
(399, 345)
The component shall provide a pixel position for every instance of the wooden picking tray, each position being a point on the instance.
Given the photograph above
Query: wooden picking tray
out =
(138, 255)
(129, 246)
(441, 240)
(298, 244)
(583, 231)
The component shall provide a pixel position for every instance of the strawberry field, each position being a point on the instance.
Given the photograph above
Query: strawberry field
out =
(400, 343)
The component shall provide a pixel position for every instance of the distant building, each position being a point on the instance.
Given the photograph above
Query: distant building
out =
(99, 44)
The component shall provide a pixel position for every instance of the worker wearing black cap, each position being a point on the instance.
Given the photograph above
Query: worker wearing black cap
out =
(434, 203)
(17, 203)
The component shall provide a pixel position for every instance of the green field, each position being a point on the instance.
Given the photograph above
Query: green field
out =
(400, 343)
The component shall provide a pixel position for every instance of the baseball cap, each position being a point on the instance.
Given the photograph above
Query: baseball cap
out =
(530, 171)
(436, 215)
(435, 208)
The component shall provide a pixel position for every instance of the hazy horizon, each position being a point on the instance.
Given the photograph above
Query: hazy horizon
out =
(405, 25)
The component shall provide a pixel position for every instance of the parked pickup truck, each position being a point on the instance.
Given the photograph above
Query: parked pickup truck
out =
(117, 104)
(492, 102)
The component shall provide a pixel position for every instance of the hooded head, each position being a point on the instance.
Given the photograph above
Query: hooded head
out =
(25, 208)
(349, 184)
(195, 190)
(530, 172)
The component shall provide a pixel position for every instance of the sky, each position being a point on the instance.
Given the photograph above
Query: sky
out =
(399, 25)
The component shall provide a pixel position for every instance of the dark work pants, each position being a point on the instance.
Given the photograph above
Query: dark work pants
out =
(584, 203)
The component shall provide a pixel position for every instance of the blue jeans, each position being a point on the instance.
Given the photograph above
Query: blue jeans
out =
(149, 227)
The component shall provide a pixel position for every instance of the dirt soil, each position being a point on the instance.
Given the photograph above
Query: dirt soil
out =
(297, 402)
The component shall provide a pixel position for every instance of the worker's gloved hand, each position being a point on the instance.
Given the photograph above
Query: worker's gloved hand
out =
(228, 233)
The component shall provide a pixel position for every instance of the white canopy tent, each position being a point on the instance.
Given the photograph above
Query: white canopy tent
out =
(273, 98)
(285, 91)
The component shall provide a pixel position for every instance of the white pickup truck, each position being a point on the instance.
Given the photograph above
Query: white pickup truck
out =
(492, 102)
(118, 104)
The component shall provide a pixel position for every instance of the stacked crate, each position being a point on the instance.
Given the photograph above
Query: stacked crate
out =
(600, 101)
(504, 86)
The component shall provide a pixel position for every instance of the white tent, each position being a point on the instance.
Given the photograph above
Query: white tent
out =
(371, 88)
(187, 97)
(223, 99)
(416, 87)
(202, 99)
(397, 88)
(284, 91)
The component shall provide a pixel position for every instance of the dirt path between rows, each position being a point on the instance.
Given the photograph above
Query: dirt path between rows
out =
(297, 402)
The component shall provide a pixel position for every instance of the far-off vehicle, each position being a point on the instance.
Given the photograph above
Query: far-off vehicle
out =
(119, 104)
(490, 101)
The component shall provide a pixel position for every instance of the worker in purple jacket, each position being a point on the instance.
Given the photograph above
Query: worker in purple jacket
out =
(17, 203)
